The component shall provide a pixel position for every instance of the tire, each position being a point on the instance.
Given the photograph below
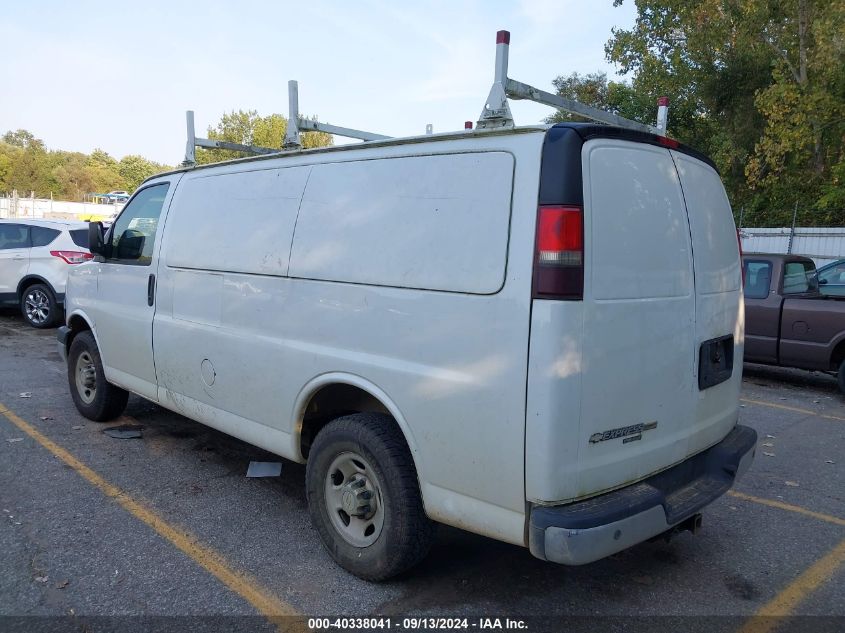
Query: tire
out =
(39, 306)
(94, 397)
(841, 376)
(367, 447)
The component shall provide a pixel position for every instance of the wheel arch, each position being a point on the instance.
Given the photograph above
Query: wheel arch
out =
(838, 353)
(344, 393)
(79, 322)
(29, 280)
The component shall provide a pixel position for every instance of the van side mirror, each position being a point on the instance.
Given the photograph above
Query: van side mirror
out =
(130, 245)
(822, 282)
(96, 243)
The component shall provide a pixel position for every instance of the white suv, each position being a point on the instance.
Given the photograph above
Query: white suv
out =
(35, 256)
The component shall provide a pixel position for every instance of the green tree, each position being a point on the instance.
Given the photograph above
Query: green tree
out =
(758, 85)
(26, 165)
(22, 138)
(595, 90)
(249, 128)
(134, 169)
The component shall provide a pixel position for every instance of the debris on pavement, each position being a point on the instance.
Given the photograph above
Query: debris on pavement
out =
(42, 578)
(44, 418)
(768, 454)
(14, 439)
(62, 584)
(124, 432)
(264, 469)
(25, 394)
(768, 444)
(792, 484)
(76, 427)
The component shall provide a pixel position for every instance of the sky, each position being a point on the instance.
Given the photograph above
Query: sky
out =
(120, 76)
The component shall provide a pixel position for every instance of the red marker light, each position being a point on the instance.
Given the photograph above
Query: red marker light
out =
(671, 143)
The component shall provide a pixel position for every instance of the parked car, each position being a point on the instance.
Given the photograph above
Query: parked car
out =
(788, 322)
(832, 279)
(35, 257)
(117, 196)
(526, 333)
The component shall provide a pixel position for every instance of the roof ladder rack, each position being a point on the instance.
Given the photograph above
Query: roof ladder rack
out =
(194, 142)
(297, 124)
(497, 113)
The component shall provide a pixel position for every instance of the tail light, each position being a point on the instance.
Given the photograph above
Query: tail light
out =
(559, 256)
(741, 263)
(72, 257)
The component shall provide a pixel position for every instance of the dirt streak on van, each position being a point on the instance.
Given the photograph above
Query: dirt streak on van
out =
(533, 334)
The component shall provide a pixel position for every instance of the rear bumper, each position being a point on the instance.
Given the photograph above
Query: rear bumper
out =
(585, 531)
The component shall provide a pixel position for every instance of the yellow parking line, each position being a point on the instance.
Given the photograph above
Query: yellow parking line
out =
(762, 403)
(769, 615)
(789, 507)
(265, 603)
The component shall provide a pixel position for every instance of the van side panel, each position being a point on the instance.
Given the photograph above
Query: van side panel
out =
(428, 222)
(453, 363)
(238, 222)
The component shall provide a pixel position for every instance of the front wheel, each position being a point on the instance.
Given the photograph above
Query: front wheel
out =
(39, 306)
(364, 497)
(94, 397)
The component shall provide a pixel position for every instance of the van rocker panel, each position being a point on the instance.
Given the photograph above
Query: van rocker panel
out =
(585, 531)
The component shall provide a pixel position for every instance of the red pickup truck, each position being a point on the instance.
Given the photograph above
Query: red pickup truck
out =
(788, 322)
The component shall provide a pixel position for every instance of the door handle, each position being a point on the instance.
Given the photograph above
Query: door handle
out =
(151, 289)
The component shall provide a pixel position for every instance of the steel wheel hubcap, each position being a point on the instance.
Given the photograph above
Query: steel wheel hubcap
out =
(354, 500)
(86, 378)
(37, 306)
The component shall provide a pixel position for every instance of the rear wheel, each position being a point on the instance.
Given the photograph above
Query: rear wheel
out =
(94, 397)
(364, 497)
(39, 306)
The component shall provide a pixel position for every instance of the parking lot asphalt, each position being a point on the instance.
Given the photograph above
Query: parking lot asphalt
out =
(168, 525)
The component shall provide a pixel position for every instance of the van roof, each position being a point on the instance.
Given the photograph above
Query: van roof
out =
(599, 130)
(400, 140)
(585, 130)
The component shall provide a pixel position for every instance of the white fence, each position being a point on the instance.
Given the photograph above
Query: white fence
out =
(15, 207)
(822, 245)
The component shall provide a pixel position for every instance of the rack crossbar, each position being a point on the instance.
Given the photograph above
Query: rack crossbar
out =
(316, 126)
(518, 90)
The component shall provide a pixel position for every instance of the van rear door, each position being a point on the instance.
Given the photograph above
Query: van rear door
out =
(638, 374)
(639, 316)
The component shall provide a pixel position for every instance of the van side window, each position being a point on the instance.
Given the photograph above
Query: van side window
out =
(134, 232)
(799, 277)
(758, 279)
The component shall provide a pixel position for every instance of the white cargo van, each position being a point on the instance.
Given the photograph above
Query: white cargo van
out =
(534, 334)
